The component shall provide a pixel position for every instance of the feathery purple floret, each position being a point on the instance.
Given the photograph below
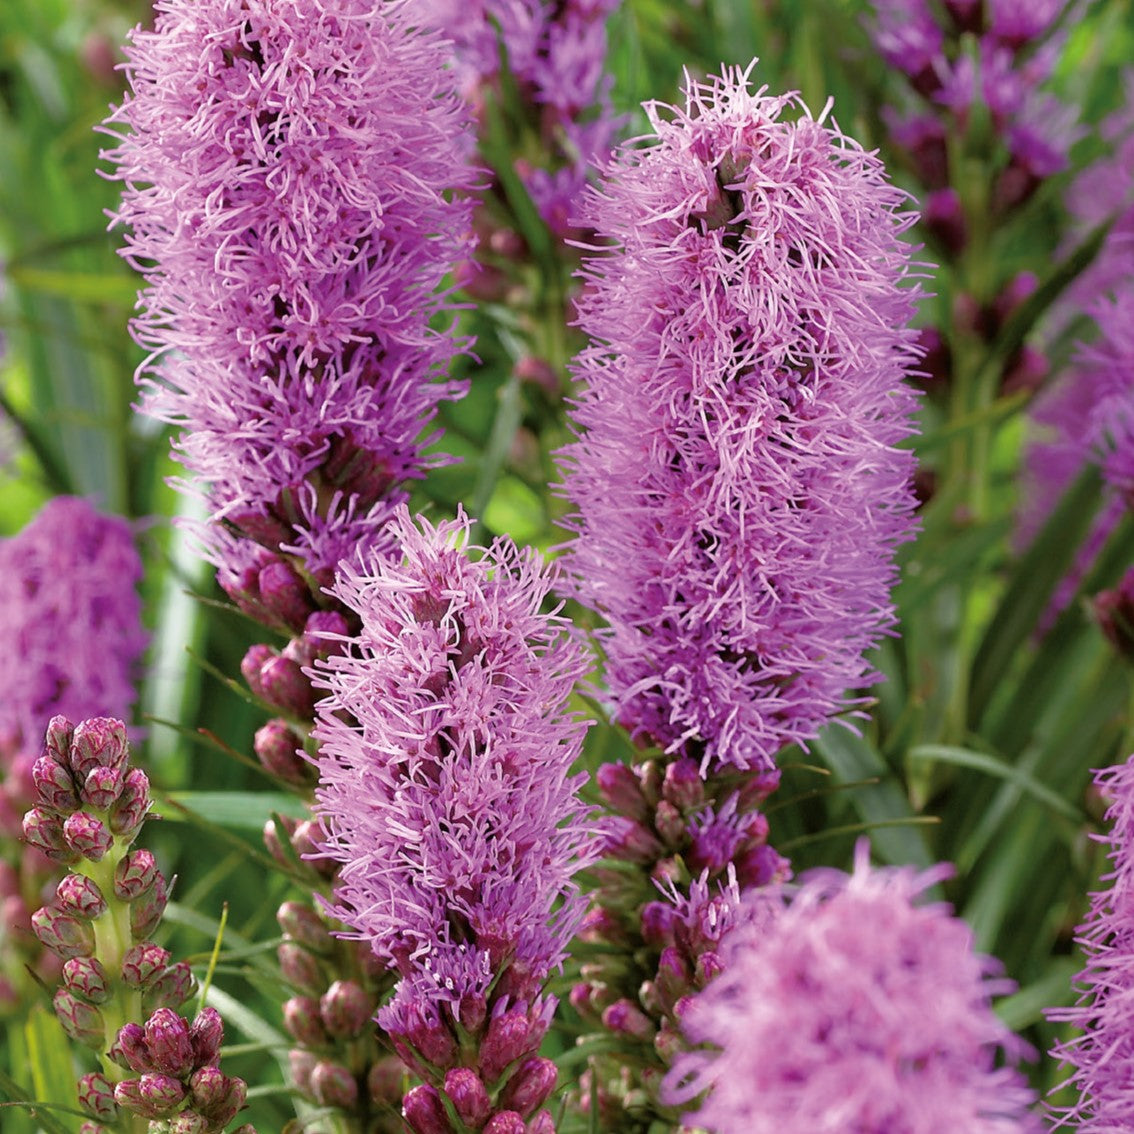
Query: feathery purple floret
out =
(288, 168)
(852, 1009)
(556, 53)
(738, 486)
(70, 620)
(1101, 1057)
(449, 801)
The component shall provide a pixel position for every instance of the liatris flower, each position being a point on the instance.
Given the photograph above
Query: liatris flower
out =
(70, 620)
(1101, 1058)
(90, 807)
(287, 167)
(853, 1009)
(556, 53)
(738, 485)
(447, 801)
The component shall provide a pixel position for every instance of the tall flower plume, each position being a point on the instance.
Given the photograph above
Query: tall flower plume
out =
(738, 488)
(447, 798)
(851, 1009)
(1100, 1057)
(287, 168)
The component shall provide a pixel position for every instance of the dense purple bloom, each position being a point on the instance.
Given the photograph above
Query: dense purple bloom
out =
(445, 758)
(70, 621)
(738, 486)
(287, 168)
(557, 55)
(852, 1009)
(1101, 1057)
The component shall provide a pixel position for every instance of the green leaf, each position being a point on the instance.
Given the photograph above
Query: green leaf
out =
(1024, 1008)
(235, 810)
(49, 1059)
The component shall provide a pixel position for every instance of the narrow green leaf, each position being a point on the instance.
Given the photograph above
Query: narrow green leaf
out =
(1024, 1008)
(235, 810)
(49, 1059)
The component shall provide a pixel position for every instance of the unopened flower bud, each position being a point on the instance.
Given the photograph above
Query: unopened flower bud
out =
(385, 1081)
(301, 1063)
(85, 978)
(143, 964)
(530, 1086)
(81, 1021)
(302, 924)
(216, 1095)
(128, 813)
(96, 1096)
(152, 1096)
(171, 989)
(272, 831)
(541, 1123)
(189, 1122)
(709, 965)
(425, 1113)
(284, 595)
(628, 1019)
(683, 785)
(134, 875)
(301, 1017)
(130, 1048)
(346, 1008)
(509, 1037)
(44, 831)
(146, 910)
(98, 742)
(468, 1095)
(657, 923)
(168, 1043)
(307, 845)
(283, 685)
(206, 1034)
(102, 787)
(669, 823)
(668, 1043)
(54, 784)
(301, 969)
(57, 741)
(631, 842)
(87, 835)
(277, 747)
(66, 936)
(251, 665)
(622, 790)
(506, 1122)
(80, 896)
(332, 1084)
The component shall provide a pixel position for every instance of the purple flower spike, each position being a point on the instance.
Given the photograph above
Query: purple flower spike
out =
(450, 802)
(287, 171)
(890, 1025)
(1100, 1058)
(738, 486)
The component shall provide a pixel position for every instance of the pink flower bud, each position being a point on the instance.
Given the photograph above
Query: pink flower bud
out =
(45, 832)
(67, 936)
(284, 595)
(171, 989)
(272, 831)
(102, 787)
(143, 964)
(683, 785)
(54, 784)
(98, 742)
(301, 969)
(146, 910)
(425, 1113)
(657, 923)
(468, 1095)
(168, 1043)
(668, 1043)
(301, 923)
(82, 1022)
(669, 823)
(206, 1035)
(217, 1096)
(509, 1038)
(385, 1081)
(251, 665)
(332, 1084)
(80, 896)
(628, 1019)
(189, 1122)
(132, 806)
(283, 685)
(530, 1086)
(301, 1064)
(87, 835)
(621, 789)
(301, 1017)
(57, 741)
(130, 1048)
(152, 1096)
(506, 1122)
(134, 875)
(541, 1123)
(631, 842)
(96, 1096)
(346, 1008)
(277, 747)
(85, 978)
